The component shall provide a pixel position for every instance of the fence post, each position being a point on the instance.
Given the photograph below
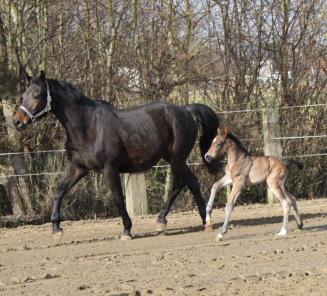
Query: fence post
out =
(135, 191)
(271, 129)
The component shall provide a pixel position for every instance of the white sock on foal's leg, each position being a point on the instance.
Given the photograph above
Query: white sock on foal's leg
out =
(286, 210)
(282, 232)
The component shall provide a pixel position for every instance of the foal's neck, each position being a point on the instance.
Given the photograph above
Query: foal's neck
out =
(235, 152)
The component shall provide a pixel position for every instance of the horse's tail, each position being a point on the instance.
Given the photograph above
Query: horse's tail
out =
(208, 121)
(289, 162)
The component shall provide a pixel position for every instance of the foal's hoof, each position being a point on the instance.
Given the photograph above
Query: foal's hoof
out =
(283, 232)
(57, 234)
(300, 226)
(125, 237)
(161, 227)
(219, 237)
(209, 227)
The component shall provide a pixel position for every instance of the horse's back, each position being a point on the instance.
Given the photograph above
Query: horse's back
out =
(264, 167)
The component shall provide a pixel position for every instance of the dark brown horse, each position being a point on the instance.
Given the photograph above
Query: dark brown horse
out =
(104, 139)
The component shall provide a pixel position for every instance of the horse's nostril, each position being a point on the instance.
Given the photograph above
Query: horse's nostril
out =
(18, 123)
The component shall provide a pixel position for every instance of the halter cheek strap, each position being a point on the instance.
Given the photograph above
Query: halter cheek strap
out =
(45, 110)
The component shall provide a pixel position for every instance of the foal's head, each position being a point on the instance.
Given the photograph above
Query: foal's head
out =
(35, 101)
(218, 147)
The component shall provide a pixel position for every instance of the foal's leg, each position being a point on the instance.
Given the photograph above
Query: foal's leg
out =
(224, 181)
(74, 174)
(114, 182)
(295, 209)
(236, 191)
(275, 187)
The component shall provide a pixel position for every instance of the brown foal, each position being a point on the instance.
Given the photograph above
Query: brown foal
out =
(244, 169)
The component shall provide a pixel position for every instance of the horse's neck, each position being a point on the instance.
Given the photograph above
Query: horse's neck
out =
(235, 153)
(70, 114)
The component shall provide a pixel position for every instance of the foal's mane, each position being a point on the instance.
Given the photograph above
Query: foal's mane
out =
(237, 142)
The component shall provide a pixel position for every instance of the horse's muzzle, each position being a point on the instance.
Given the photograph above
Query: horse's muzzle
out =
(20, 120)
(18, 124)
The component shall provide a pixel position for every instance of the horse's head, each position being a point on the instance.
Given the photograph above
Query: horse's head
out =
(218, 147)
(35, 101)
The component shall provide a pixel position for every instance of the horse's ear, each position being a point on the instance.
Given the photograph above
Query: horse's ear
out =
(27, 77)
(42, 76)
(218, 131)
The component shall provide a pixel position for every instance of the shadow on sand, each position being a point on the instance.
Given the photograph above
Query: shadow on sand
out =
(242, 222)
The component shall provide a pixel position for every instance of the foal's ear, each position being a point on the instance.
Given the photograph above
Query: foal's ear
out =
(42, 76)
(27, 77)
(225, 132)
(218, 131)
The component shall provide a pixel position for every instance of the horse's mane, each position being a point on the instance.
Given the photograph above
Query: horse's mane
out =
(77, 95)
(237, 142)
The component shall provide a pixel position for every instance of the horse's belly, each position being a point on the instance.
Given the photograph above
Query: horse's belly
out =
(257, 175)
(91, 161)
(135, 167)
(144, 160)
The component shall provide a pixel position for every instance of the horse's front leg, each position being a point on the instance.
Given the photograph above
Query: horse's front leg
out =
(73, 175)
(236, 191)
(224, 181)
(112, 177)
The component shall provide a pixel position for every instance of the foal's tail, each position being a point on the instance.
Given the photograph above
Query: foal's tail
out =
(208, 121)
(289, 162)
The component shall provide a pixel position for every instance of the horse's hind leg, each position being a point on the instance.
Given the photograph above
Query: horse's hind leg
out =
(193, 184)
(295, 209)
(275, 187)
(112, 177)
(224, 181)
(178, 185)
(162, 221)
(182, 176)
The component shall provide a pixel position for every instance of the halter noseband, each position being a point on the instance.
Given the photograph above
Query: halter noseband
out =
(45, 110)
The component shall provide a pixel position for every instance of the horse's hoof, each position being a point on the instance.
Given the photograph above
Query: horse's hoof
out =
(208, 227)
(161, 227)
(57, 235)
(300, 226)
(125, 237)
(219, 237)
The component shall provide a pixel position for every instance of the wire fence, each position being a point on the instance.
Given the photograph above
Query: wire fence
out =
(8, 154)
(43, 167)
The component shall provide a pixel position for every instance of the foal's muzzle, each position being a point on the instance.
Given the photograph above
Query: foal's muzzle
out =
(208, 158)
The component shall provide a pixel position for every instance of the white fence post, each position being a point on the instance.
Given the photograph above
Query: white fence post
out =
(135, 192)
(271, 129)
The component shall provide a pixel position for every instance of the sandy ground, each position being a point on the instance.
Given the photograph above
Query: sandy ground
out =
(92, 260)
